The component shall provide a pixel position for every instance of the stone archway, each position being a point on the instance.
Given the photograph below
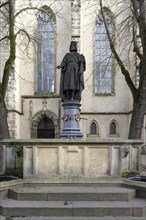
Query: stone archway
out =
(39, 116)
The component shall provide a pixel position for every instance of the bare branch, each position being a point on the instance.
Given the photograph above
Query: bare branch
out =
(135, 9)
(28, 8)
(139, 12)
(124, 71)
(136, 48)
(24, 31)
(4, 4)
(32, 8)
(4, 38)
(4, 14)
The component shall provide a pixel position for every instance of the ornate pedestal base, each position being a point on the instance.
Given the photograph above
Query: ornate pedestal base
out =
(71, 118)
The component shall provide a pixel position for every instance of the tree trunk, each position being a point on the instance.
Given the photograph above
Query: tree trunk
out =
(137, 119)
(139, 106)
(4, 131)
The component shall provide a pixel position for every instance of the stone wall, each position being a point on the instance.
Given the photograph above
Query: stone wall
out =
(83, 158)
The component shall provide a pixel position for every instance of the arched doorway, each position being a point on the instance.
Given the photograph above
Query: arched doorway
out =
(45, 128)
(50, 120)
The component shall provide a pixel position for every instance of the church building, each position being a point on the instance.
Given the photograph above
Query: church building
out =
(46, 29)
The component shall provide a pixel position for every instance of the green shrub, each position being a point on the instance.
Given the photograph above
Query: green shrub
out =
(129, 174)
(14, 172)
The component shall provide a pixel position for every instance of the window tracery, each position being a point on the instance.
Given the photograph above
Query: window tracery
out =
(45, 53)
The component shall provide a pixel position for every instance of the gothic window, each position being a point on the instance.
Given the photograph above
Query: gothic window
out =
(103, 56)
(45, 53)
(45, 128)
(113, 128)
(93, 128)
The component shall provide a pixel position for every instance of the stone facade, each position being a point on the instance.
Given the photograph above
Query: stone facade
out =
(74, 20)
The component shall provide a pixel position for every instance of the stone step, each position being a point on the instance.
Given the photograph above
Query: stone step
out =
(75, 218)
(135, 208)
(72, 193)
(75, 182)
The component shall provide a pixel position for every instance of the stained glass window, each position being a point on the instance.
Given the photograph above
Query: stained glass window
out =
(93, 128)
(45, 53)
(113, 128)
(103, 57)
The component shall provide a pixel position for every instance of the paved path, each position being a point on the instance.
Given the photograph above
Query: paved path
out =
(73, 218)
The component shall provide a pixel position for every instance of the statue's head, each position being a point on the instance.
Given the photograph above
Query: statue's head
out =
(73, 46)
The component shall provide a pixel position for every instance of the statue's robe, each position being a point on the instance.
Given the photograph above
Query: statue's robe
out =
(72, 79)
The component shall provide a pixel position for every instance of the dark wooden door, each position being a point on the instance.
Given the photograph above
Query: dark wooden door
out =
(46, 128)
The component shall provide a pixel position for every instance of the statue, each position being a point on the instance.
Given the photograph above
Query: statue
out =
(72, 79)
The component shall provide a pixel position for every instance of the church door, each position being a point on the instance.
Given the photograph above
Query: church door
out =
(45, 128)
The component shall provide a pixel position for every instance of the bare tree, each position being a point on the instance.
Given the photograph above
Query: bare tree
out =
(137, 20)
(10, 32)
(8, 5)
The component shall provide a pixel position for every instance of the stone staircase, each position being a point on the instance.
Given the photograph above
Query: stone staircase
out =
(69, 202)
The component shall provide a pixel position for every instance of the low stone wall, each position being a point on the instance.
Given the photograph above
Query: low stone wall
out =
(1, 158)
(143, 161)
(84, 158)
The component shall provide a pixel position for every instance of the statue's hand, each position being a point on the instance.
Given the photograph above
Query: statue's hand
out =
(58, 67)
(82, 56)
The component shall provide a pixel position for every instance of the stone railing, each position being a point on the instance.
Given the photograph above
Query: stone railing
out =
(85, 158)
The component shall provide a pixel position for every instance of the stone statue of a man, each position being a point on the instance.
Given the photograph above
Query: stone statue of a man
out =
(72, 79)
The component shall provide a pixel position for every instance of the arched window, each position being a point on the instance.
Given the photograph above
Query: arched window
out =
(93, 128)
(45, 53)
(113, 129)
(45, 128)
(103, 56)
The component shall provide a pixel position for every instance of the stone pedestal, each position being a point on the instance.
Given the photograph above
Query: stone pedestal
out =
(71, 120)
